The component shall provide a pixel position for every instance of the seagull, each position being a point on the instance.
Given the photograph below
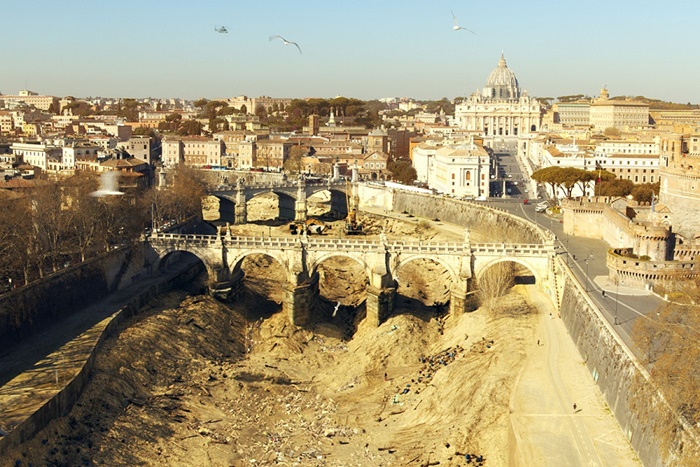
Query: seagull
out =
(109, 185)
(221, 29)
(336, 309)
(457, 27)
(286, 42)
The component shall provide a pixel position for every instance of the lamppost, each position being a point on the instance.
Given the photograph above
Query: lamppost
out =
(617, 298)
(588, 256)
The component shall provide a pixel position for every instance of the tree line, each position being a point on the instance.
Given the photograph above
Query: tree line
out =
(55, 224)
(563, 180)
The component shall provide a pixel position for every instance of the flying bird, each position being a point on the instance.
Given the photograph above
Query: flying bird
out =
(457, 27)
(109, 185)
(286, 42)
(336, 309)
(221, 29)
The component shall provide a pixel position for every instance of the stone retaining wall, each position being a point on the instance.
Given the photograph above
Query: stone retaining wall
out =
(63, 401)
(613, 367)
(26, 310)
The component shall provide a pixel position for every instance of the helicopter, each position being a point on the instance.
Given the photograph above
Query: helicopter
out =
(221, 29)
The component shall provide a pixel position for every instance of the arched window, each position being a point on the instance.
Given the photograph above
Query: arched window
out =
(469, 175)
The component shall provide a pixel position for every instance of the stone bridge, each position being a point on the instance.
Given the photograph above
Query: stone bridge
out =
(300, 257)
(292, 197)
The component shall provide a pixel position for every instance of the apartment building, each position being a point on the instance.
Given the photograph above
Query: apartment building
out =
(194, 151)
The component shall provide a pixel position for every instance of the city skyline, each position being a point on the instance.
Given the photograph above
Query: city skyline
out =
(362, 50)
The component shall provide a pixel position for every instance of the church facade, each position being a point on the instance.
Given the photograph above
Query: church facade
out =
(500, 111)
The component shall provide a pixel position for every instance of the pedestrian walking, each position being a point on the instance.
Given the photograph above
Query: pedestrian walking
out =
(574, 406)
(538, 342)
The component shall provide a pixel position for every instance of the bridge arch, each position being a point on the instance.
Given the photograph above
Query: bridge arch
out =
(424, 280)
(237, 261)
(324, 256)
(342, 278)
(337, 201)
(405, 259)
(510, 259)
(286, 203)
(258, 276)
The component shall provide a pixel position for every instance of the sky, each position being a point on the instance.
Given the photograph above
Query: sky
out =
(365, 49)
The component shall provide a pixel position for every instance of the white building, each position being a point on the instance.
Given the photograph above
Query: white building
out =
(139, 147)
(635, 160)
(37, 154)
(460, 170)
(620, 114)
(194, 151)
(500, 111)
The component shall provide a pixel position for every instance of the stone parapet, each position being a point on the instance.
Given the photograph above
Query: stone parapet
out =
(643, 272)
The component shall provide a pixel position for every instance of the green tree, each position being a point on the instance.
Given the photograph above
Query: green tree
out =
(614, 187)
(129, 109)
(550, 176)
(643, 193)
(260, 112)
(190, 128)
(145, 131)
(293, 164)
(402, 171)
(200, 104)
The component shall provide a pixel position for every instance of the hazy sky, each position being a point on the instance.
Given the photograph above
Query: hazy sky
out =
(356, 48)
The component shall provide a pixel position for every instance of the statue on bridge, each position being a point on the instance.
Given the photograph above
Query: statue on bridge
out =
(466, 235)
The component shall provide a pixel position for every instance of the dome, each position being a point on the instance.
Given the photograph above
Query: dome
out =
(502, 83)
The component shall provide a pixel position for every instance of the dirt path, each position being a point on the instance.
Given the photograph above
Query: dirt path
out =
(547, 429)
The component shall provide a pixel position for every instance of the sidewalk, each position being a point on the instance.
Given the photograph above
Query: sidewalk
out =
(609, 286)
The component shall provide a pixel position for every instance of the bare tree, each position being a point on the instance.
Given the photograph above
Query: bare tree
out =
(18, 246)
(669, 340)
(51, 217)
(495, 282)
(87, 222)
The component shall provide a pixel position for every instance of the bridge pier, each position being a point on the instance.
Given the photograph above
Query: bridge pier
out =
(300, 206)
(241, 210)
(461, 300)
(298, 301)
(379, 304)
(226, 286)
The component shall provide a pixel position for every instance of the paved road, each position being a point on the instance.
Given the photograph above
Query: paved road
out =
(586, 257)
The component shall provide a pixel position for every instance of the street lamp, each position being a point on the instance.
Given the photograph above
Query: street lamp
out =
(588, 256)
(617, 298)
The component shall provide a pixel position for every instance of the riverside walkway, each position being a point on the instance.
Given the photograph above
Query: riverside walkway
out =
(34, 372)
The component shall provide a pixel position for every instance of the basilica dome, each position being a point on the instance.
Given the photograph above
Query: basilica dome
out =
(502, 83)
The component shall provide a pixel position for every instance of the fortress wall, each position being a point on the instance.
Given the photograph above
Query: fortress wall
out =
(581, 222)
(681, 192)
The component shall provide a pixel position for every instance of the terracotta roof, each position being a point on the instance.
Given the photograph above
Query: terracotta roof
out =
(123, 163)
